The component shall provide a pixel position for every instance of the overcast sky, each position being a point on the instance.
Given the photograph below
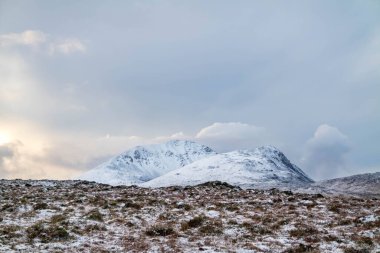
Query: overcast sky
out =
(81, 81)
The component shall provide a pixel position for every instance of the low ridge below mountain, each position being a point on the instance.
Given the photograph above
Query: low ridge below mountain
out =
(143, 163)
(264, 167)
(367, 184)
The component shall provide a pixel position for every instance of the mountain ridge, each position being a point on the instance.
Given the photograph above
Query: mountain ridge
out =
(263, 167)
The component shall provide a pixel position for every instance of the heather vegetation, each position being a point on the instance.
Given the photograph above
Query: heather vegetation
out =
(76, 216)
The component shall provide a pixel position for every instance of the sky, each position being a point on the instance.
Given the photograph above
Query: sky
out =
(81, 81)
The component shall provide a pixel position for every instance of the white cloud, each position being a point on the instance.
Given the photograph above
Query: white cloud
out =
(175, 136)
(26, 38)
(233, 135)
(47, 42)
(67, 46)
(325, 153)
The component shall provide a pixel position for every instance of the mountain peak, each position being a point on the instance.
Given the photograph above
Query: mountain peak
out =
(143, 163)
(179, 142)
(269, 149)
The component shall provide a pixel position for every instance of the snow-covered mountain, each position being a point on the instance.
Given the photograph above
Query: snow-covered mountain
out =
(144, 163)
(188, 163)
(263, 167)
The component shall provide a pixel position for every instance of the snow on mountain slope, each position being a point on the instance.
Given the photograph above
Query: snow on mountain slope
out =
(263, 167)
(144, 163)
(368, 183)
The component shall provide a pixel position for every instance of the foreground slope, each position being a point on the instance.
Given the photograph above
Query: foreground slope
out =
(264, 167)
(72, 216)
(144, 163)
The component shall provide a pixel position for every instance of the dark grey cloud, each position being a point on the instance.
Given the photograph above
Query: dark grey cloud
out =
(140, 68)
(8, 151)
(5, 152)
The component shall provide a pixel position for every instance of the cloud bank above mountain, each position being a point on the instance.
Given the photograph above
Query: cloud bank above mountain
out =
(229, 136)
